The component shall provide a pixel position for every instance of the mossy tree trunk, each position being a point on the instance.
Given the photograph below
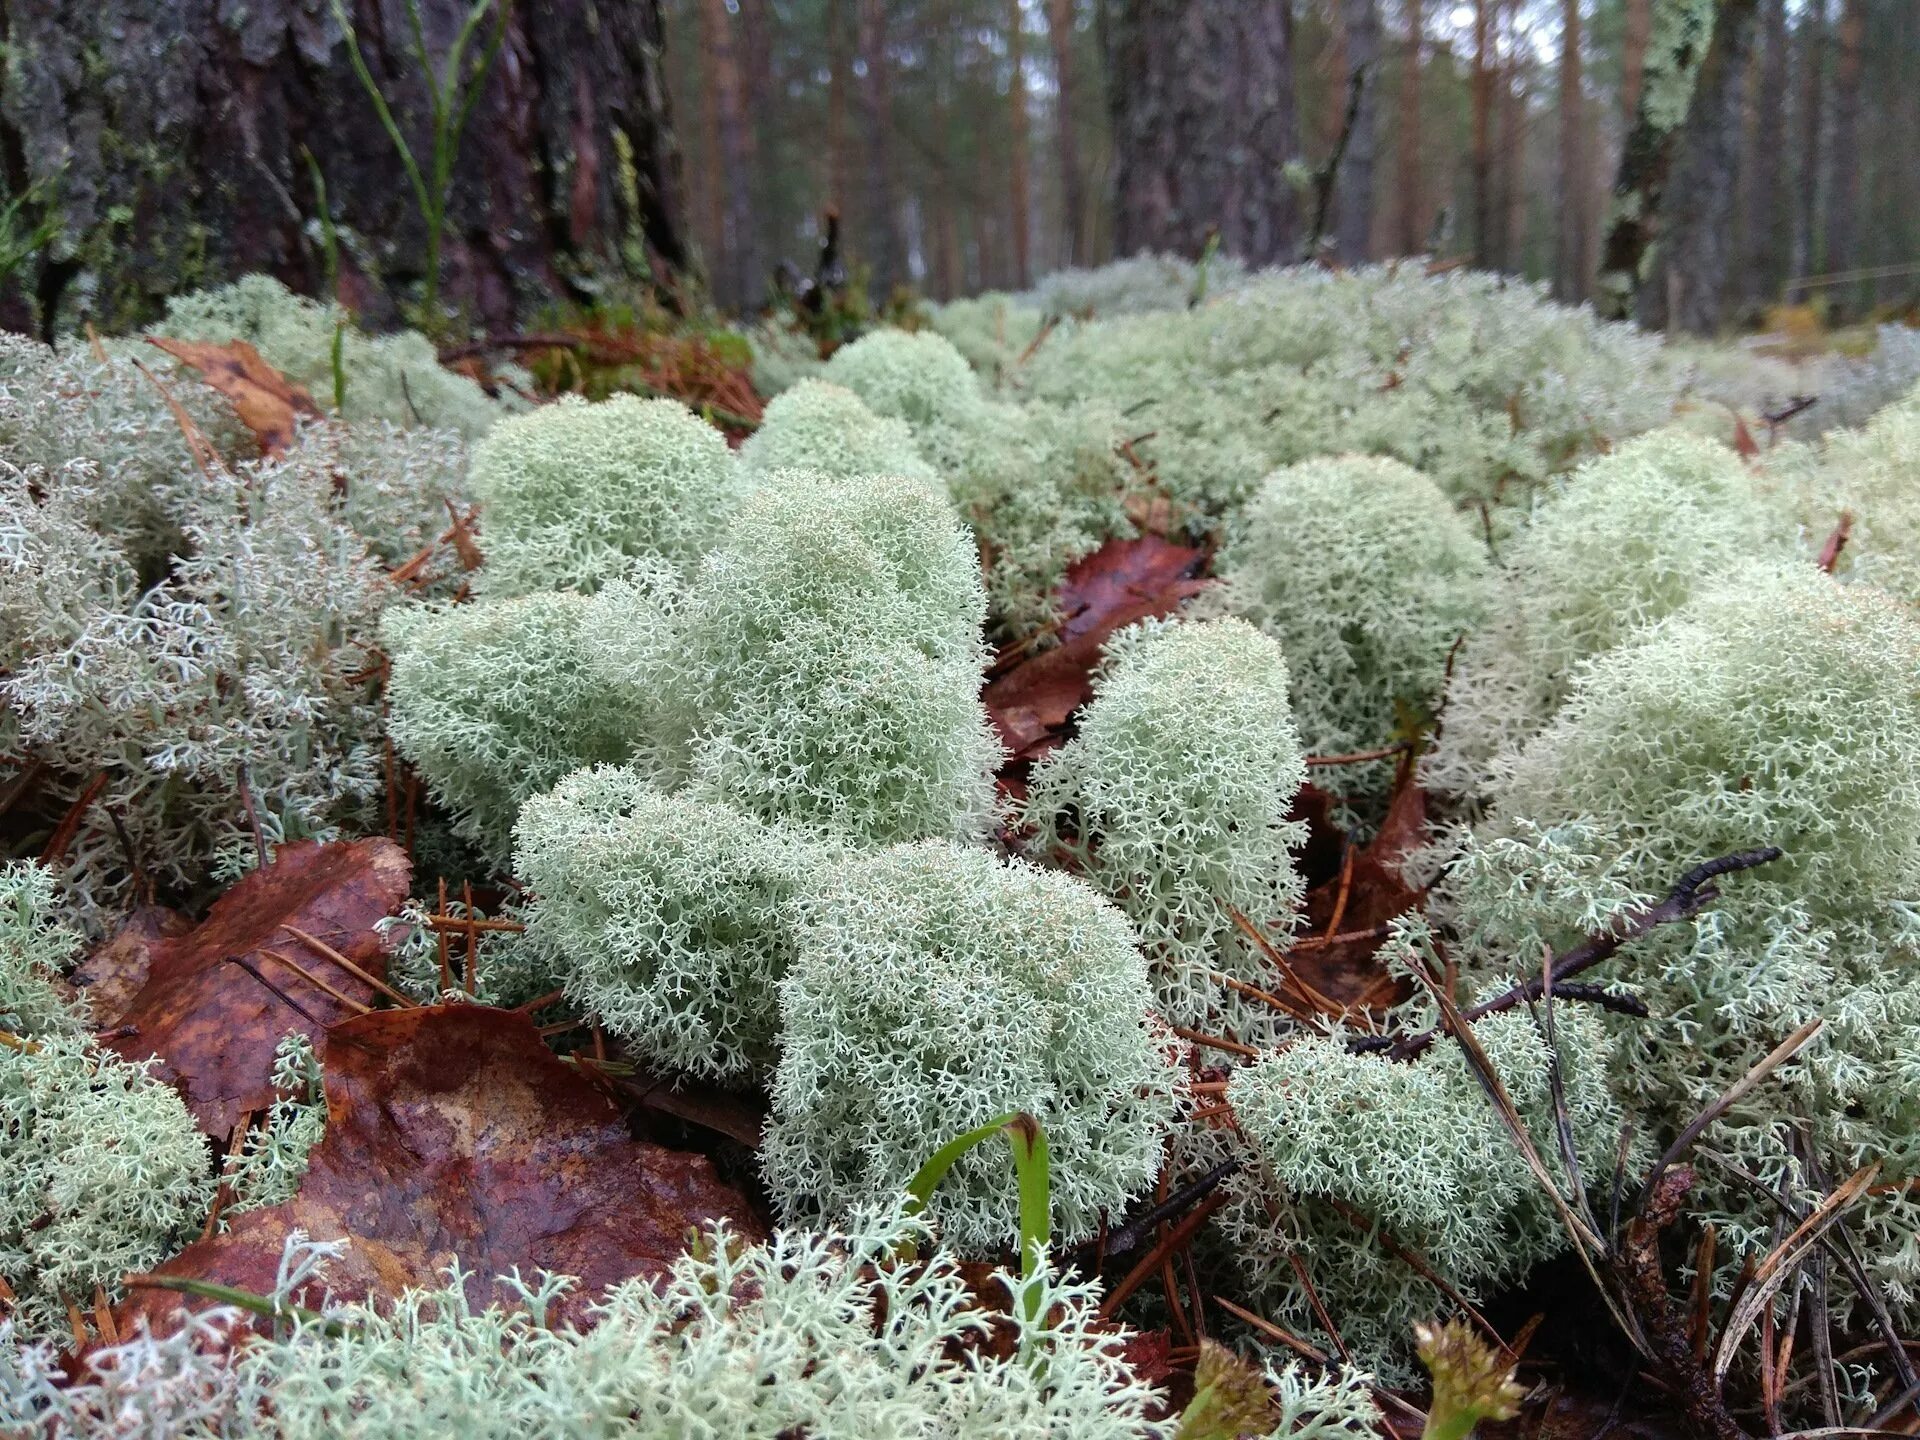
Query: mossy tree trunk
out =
(177, 134)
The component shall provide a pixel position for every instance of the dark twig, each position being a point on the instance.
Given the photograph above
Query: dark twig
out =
(1150, 1264)
(69, 825)
(1644, 1284)
(1799, 403)
(1691, 894)
(1324, 177)
(1133, 1234)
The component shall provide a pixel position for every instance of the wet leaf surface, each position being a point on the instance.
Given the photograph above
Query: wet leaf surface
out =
(266, 402)
(114, 972)
(1121, 582)
(216, 999)
(1345, 970)
(454, 1134)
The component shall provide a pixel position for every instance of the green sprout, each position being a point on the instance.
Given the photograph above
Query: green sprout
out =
(1032, 1171)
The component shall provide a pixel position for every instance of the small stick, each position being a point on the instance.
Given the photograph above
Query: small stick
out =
(352, 969)
(358, 1007)
(1360, 756)
(1836, 542)
(70, 823)
(540, 1002)
(253, 815)
(1216, 1042)
(1340, 896)
(1151, 1262)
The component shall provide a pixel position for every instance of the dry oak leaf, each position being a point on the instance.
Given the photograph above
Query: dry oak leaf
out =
(218, 998)
(1121, 582)
(266, 402)
(454, 1134)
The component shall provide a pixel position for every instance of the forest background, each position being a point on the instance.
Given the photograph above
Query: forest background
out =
(972, 144)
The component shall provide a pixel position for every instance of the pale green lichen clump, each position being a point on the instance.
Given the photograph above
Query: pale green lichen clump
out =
(666, 916)
(1172, 799)
(830, 662)
(827, 1335)
(576, 492)
(1622, 542)
(916, 377)
(827, 429)
(102, 1170)
(396, 379)
(936, 988)
(496, 700)
(1415, 1149)
(1368, 578)
(1780, 708)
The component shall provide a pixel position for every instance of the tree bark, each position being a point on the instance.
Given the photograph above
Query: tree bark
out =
(1806, 214)
(1481, 159)
(1512, 157)
(1667, 91)
(1073, 202)
(186, 165)
(1353, 228)
(1767, 247)
(1019, 221)
(1410, 180)
(838, 65)
(1843, 166)
(1690, 278)
(736, 262)
(1633, 56)
(1569, 271)
(1204, 124)
(886, 246)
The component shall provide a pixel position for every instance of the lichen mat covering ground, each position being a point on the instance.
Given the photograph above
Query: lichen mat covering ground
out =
(1376, 806)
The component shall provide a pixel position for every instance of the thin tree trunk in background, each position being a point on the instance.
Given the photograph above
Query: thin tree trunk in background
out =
(992, 273)
(944, 246)
(1202, 102)
(838, 64)
(886, 247)
(1633, 213)
(1696, 249)
(1511, 161)
(1073, 203)
(1353, 230)
(1843, 168)
(1749, 177)
(1569, 272)
(736, 264)
(1806, 212)
(1633, 57)
(1481, 160)
(1411, 231)
(767, 126)
(711, 195)
(1766, 252)
(1018, 219)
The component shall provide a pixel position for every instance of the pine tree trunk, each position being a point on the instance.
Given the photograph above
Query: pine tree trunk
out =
(1072, 191)
(1569, 271)
(1410, 179)
(189, 168)
(838, 66)
(1767, 248)
(886, 247)
(1689, 282)
(1018, 219)
(1633, 56)
(1353, 230)
(736, 264)
(1806, 213)
(1204, 123)
(1481, 160)
(1843, 168)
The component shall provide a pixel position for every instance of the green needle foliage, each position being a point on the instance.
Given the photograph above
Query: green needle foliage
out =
(452, 92)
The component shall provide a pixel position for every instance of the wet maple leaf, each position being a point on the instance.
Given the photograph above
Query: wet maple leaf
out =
(266, 402)
(454, 1134)
(217, 998)
(1121, 582)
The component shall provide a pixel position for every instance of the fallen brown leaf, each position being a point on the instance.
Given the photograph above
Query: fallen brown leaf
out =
(454, 1134)
(1343, 967)
(114, 972)
(266, 402)
(214, 1003)
(1121, 582)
